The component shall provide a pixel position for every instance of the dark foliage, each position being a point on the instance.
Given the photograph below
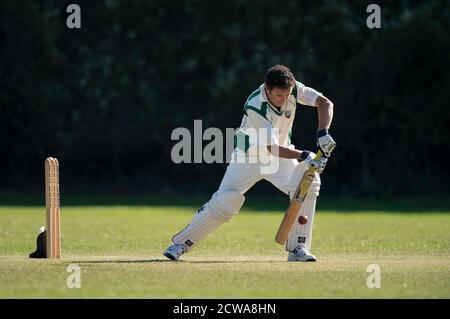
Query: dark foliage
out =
(104, 99)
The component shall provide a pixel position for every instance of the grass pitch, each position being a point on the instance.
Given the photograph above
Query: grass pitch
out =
(119, 251)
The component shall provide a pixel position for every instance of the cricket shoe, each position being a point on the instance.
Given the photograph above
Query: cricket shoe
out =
(175, 251)
(300, 253)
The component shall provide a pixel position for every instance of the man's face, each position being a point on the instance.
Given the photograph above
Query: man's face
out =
(278, 96)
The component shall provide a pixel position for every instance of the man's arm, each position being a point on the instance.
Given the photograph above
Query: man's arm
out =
(284, 152)
(309, 96)
(325, 112)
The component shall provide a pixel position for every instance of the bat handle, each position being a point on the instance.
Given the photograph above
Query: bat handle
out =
(318, 154)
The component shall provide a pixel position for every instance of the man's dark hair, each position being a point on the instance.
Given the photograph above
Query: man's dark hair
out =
(279, 76)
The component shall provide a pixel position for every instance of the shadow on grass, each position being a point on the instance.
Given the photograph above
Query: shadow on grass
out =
(87, 262)
(278, 202)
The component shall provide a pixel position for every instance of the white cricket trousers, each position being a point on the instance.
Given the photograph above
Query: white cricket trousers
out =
(240, 177)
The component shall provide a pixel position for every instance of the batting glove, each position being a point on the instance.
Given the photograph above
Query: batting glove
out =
(325, 142)
(318, 164)
(306, 155)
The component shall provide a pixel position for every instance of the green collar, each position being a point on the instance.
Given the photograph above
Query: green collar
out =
(279, 113)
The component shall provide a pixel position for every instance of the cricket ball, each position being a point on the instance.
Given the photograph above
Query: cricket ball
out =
(302, 219)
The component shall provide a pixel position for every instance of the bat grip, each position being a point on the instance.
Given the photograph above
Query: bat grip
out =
(318, 154)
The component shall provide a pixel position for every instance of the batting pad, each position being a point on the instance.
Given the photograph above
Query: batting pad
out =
(218, 210)
(302, 234)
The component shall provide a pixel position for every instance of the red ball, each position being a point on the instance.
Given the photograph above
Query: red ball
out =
(302, 219)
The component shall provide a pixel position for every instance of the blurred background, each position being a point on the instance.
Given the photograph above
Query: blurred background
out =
(105, 98)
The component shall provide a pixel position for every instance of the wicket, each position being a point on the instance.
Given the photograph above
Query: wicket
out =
(53, 236)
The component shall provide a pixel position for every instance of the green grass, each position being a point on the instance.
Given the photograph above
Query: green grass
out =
(119, 251)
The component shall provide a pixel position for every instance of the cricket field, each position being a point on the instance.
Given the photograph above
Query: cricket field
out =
(118, 249)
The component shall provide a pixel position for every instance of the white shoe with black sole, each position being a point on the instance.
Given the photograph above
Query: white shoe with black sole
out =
(174, 251)
(301, 253)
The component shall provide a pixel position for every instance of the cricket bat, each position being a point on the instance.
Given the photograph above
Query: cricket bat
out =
(296, 203)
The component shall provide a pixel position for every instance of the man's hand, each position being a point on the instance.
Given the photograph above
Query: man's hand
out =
(306, 155)
(325, 142)
(317, 164)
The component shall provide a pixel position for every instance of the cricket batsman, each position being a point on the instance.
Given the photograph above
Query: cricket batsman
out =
(265, 137)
